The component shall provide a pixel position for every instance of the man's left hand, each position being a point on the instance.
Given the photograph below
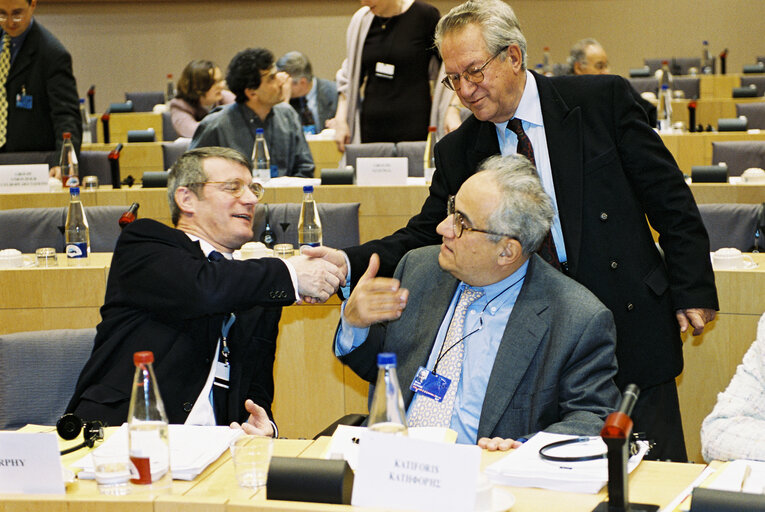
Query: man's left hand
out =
(695, 317)
(258, 424)
(498, 444)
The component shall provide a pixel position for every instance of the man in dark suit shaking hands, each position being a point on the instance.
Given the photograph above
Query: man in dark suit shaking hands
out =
(606, 171)
(211, 321)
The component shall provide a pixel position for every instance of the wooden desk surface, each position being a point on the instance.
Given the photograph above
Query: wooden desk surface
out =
(691, 149)
(216, 490)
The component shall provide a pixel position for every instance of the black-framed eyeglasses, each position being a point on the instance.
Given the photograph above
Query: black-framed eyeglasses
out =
(474, 76)
(236, 187)
(460, 224)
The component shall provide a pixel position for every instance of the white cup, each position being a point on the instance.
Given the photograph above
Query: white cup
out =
(252, 455)
(729, 258)
(11, 258)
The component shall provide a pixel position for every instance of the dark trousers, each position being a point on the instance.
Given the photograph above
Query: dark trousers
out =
(657, 414)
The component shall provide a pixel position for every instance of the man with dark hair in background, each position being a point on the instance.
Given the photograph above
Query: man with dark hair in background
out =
(257, 84)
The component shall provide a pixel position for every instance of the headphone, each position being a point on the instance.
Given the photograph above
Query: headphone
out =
(69, 426)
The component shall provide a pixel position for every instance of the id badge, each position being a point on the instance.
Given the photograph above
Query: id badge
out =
(222, 371)
(430, 384)
(383, 70)
(24, 101)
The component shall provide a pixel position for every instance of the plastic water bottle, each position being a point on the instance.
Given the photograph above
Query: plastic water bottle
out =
(70, 169)
(429, 157)
(546, 62)
(76, 231)
(387, 411)
(309, 225)
(85, 119)
(706, 59)
(664, 109)
(260, 159)
(148, 439)
(169, 88)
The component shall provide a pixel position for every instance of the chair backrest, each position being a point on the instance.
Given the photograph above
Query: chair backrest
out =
(372, 149)
(339, 223)
(96, 163)
(739, 155)
(40, 371)
(168, 130)
(103, 223)
(677, 65)
(757, 81)
(688, 84)
(172, 150)
(145, 101)
(754, 112)
(27, 157)
(648, 84)
(731, 225)
(414, 152)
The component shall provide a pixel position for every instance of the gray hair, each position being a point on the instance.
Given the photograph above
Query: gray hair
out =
(579, 52)
(525, 211)
(296, 65)
(499, 25)
(188, 171)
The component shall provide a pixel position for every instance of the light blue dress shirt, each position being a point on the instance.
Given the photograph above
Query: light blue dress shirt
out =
(529, 111)
(310, 100)
(488, 317)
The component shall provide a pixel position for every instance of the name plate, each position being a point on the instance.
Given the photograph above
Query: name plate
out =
(30, 464)
(410, 474)
(382, 171)
(24, 178)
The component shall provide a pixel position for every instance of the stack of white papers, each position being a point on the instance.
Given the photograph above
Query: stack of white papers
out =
(192, 449)
(525, 468)
(291, 181)
(741, 475)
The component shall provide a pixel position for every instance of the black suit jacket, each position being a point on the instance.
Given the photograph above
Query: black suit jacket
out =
(42, 68)
(164, 295)
(610, 172)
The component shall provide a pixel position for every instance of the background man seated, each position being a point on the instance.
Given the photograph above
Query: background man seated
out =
(533, 351)
(206, 317)
(735, 429)
(258, 87)
(314, 99)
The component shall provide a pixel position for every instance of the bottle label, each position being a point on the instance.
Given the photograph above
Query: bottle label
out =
(71, 181)
(140, 470)
(315, 244)
(77, 250)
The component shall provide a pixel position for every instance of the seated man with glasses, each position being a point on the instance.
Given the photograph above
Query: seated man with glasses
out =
(211, 321)
(523, 347)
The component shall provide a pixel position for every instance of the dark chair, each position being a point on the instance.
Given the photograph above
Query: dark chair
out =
(145, 101)
(739, 155)
(732, 225)
(648, 84)
(40, 370)
(677, 65)
(103, 223)
(168, 130)
(414, 152)
(374, 149)
(172, 150)
(339, 223)
(96, 163)
(757, 81)
(688, 84)
(754, 112)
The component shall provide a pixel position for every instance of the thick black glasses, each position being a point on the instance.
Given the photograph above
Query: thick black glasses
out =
(474, 76)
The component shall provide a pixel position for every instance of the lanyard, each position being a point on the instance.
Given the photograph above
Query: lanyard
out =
(225, 352)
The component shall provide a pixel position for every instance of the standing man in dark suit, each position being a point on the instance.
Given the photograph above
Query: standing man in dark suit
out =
(39, 89)
(606, 170)
(485, 312)
(211, 321)
(309, 94)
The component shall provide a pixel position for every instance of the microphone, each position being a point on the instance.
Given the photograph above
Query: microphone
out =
(618, 424)
(629, 398)
(105, 123)
(91, 99)
(114, 160)
(129, 216)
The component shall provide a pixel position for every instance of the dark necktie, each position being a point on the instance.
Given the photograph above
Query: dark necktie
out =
(220, 393)
(547, 250)
(5, 67)
(215, 256)
(301, 105)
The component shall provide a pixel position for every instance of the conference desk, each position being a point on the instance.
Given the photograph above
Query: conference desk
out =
(691, 149)
(708, 110)
(305, 361)
(216, 490)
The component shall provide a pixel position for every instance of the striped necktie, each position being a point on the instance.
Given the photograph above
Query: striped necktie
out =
(5, 67)
(427, 412)
(547, 250)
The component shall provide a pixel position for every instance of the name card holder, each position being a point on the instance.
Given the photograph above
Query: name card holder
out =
(30, 463)
(382, 171)
(23, 178)
(411, 474)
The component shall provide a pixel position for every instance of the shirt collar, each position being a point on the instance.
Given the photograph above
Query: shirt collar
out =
(529, 108)
(312, 93)
(207, 248)
(492, 291)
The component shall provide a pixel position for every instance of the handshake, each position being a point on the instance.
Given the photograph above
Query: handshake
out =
(320, 272)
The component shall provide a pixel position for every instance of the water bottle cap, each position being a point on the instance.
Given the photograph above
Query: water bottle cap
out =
(82, 100)
(258, 131)
(308, 189)
(386, 358)
(144, 357)
(664, 87)
(75, 191)
(67, 135)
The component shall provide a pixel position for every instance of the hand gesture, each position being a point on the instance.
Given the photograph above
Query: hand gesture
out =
(375, 299)
(258, 424)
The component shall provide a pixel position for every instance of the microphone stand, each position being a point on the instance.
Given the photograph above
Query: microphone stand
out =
(616, 433)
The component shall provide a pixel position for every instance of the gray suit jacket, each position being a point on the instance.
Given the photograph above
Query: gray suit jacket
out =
(555, 365)
(326, 101)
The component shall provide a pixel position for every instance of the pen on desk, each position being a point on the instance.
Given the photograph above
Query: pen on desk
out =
(685, 494)
(747, 472)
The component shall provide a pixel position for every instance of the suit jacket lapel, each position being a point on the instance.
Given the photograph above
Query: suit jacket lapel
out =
(26, 54)
(486, 145)
(524, 332)
(563, 129)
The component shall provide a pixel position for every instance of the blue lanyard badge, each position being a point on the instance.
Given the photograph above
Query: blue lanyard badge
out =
(222, 365)
(430, 384)
(23, 100)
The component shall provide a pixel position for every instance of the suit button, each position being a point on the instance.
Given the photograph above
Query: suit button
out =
(603, 216)
(630, 306)
(187, 406)
(614, 264)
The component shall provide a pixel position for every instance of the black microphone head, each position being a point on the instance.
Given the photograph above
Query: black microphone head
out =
(68, 426)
